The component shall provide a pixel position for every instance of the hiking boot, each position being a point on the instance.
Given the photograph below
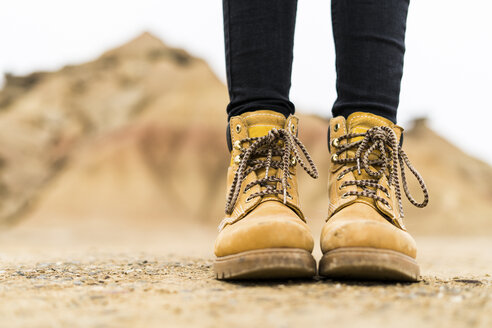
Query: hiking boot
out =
(264, 233)
(364, 236)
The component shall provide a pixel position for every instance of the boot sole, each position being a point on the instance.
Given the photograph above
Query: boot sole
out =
(366, 263)
(270, 263)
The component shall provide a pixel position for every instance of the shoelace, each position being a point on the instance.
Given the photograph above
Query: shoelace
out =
(278, 142)
(380, 138)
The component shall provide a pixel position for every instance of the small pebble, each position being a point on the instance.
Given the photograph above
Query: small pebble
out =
(457, 299)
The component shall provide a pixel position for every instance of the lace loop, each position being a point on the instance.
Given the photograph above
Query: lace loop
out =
(278, 142)
(391, 158)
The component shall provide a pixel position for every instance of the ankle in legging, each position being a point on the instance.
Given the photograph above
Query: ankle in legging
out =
(369, 42)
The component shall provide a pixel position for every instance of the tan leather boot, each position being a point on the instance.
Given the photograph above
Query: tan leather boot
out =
(264, 233)
(364, 236)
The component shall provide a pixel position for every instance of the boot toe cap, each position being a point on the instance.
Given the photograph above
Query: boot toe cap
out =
(357, 231)
(265, 229)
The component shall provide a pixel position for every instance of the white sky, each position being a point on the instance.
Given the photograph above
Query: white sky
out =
(448, 70)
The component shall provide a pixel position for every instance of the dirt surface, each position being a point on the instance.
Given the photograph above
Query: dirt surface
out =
(163, 277)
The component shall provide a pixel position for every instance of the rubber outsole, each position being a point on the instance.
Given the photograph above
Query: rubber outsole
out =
(270, 263)
(365, 263)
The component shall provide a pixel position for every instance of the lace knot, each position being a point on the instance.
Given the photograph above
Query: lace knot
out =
(382, 143)
(278, 143)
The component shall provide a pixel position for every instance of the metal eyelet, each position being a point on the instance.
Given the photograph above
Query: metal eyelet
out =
(388, 206)
(344, 195)
(237, 159)
(237, 145)
(334, 157)
(387, 194)
(340, 176)
(292, 128)
(335, 142)
(336, 127)
(293, 161)
(247, 200)
(238, 128)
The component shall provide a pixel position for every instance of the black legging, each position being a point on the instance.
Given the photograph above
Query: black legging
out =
(369, 41)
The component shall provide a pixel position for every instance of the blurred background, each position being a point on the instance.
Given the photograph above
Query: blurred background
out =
(113, 162)
(112, 114)
(447, 64)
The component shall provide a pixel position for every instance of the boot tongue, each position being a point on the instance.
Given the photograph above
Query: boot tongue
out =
(259, 123)
(360, 122)
(262, 121)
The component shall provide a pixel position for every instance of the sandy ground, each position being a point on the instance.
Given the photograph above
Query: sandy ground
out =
(163, 277)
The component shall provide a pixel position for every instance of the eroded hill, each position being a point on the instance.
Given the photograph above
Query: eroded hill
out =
(138, 136)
